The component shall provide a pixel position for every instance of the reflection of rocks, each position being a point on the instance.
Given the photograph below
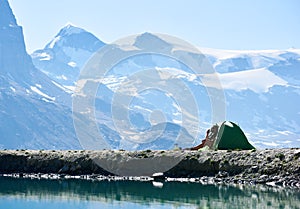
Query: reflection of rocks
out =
(181, 195)
(279, 167)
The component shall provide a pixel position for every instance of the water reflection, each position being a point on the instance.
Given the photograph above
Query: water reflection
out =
(26, 193)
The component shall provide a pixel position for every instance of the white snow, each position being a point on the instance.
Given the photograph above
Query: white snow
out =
(53, 42)
(257, 80)
(142, 109)
(227, 54)
(70, 29)
(67, 30)
(41, 56)
(222, 60)
(80, 55)
(65, 88)
(113, 82)
(71, 88)
(36, 90)
(72, 64)
(179, 122)
(44, 56)
(39, 86)
(13, 89)
(46, 100)
(62, 77)
(176, 106)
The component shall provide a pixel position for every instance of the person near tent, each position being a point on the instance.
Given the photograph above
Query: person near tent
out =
(203, 142)
(224, 136)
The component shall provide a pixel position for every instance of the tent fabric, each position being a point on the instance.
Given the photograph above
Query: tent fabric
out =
(232, 137)
(227, 135)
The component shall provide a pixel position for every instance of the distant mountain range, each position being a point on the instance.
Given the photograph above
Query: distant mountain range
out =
(262, 91)
(261, 87)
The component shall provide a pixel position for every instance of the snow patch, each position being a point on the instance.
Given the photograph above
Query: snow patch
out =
(62, 77)
(257, 80)
(112, 82)
(72, 64)
(229, 54)
(13, 89)
(71, 88)
(80, 55)
(179, 122)
(44, 56)
(228, 60)
(53, 42)
(64, 88)
(69, 29)
(46, 100)
(36, 90)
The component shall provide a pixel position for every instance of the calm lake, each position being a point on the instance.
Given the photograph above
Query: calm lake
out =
(67, 194)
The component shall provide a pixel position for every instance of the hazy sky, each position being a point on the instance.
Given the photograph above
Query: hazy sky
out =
(230, 24)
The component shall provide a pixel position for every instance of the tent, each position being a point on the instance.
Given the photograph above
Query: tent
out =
(224, 136)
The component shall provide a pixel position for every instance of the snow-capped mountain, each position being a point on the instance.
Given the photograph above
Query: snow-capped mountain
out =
(64, 56)
(34, 112)
(262, 93)
(261, 86)
(236, 60)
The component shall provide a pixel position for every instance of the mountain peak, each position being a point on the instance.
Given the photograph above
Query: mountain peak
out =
(70, 29)
(152, 41)
(7, 18)
(74, 37)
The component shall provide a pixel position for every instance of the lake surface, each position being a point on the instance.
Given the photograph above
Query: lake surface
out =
(67, 194)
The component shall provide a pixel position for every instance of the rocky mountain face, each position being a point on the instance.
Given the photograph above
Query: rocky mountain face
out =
(35, 112)
(12, 41)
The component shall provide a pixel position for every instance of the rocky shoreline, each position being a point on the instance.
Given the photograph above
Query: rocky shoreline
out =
(274, 167)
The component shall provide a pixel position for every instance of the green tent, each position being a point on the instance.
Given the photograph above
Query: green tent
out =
(227, 135)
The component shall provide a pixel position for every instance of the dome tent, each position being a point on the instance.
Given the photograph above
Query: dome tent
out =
(231, 136)
(224, 136)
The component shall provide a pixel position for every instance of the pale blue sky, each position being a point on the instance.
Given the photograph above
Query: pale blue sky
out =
(230, 24)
